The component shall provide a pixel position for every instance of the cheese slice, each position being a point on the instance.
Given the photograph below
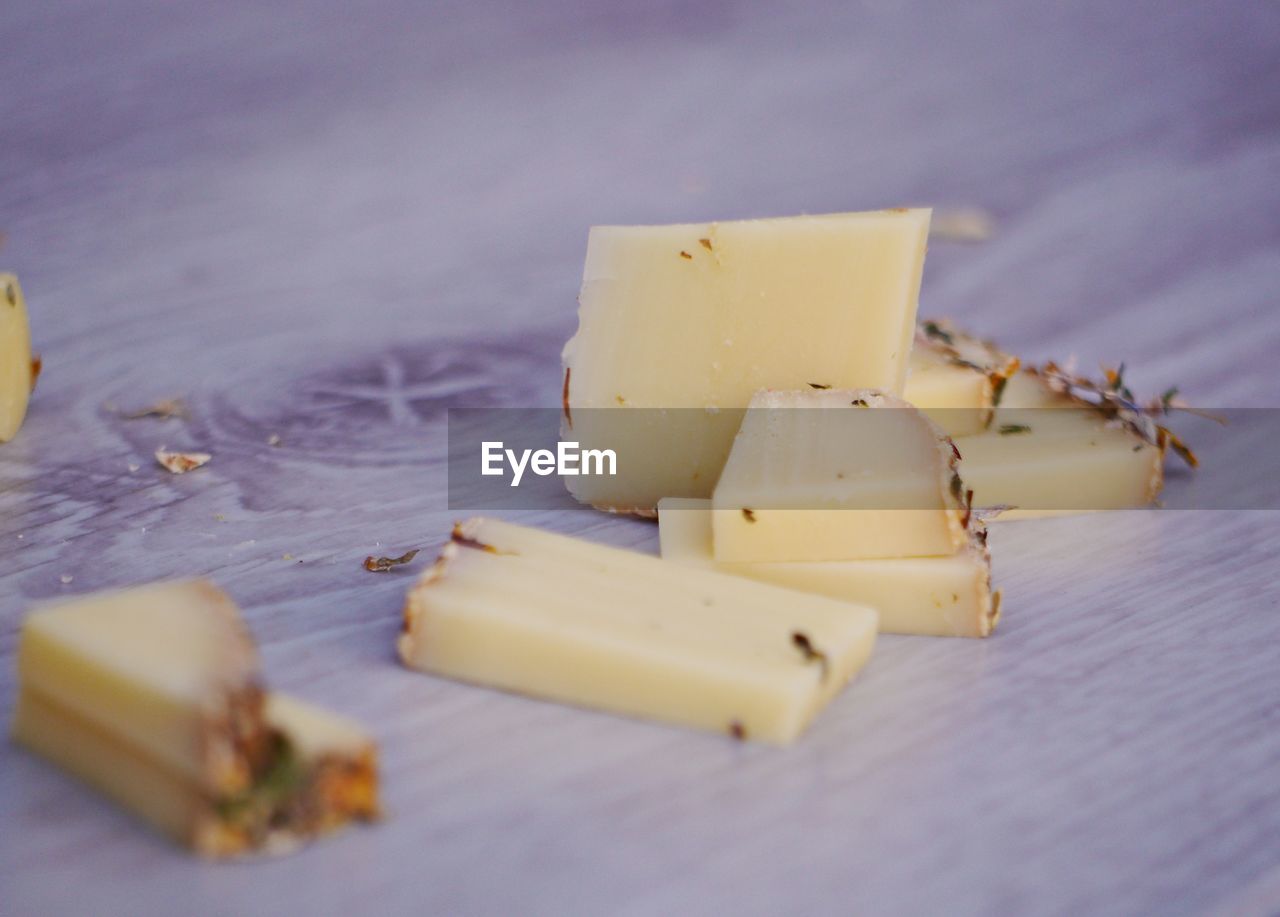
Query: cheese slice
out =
(930, 596)
(153, 696)
(838, 475)
(955, 378)
(1047, 455)
(564, 619)
(701, 316)
(17, 372)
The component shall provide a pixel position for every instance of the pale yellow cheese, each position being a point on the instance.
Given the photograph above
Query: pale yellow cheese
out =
(701, 316)
(959, 399)
(16, 372)
(561, 618)
(152, 664)
(930, 596)
(837, 475)
(152, 696)
(1046, 455)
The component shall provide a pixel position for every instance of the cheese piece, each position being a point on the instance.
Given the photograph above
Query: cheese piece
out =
(153, 696)
(928, 596)
(701, 316)
(838, 475)
(17, 371)
(955, 378)
(564, 619)
(1047, 455)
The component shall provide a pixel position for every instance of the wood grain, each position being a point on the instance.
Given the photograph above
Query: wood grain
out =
(327, 222)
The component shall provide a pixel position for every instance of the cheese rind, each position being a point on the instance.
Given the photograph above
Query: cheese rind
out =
(1046, 455)
(563, 619)
(837, 475)
(17, 375)
(153, 696)
(928, 596)
(701, 316)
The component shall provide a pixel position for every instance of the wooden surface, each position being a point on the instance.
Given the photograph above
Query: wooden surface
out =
(330, 221)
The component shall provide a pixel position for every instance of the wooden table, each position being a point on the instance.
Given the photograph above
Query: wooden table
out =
(327, 222)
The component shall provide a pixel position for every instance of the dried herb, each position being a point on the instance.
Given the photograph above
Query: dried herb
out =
(860, 403)
(165, 409)
(11, 294)
(181, 462)
(564, 398)
(705, 243)
(819, 386)
(384, 564)
(800, 640)
(737, 730)
(1115, 401)
(686, 256)
(1009, 429)
(37, 365)
(748, 514)
(936, 332)
(957, 487)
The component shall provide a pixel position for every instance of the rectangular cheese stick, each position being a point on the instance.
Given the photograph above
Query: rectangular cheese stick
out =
(930, 596)
(700, 316)
(560, 618)
(837, 475)
(153, 696)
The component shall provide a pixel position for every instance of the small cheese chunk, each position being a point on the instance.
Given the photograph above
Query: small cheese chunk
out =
(560, 618)
(838, 475)
(701, 316)
(1047, 455)
(17, 372)
(955, 378)
(929, 596)
(152, 695)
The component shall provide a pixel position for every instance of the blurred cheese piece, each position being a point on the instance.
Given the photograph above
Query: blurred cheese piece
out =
(929, 596)
(837, 475)
(955, 378)
(560, 618)
(1045, 454)
(701, 316)
(17, 373)
(152, 695)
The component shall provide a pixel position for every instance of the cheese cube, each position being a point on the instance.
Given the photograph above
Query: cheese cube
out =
(838, 475)
(564, 619)
(930, 596)
(701, 316)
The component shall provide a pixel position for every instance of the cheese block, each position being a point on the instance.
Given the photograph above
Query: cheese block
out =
(700, 316)
(17, 371)
(955, 378)
(153, 696)
(560, 618)
(929, 596)
(839, 474)
(1045, 454)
